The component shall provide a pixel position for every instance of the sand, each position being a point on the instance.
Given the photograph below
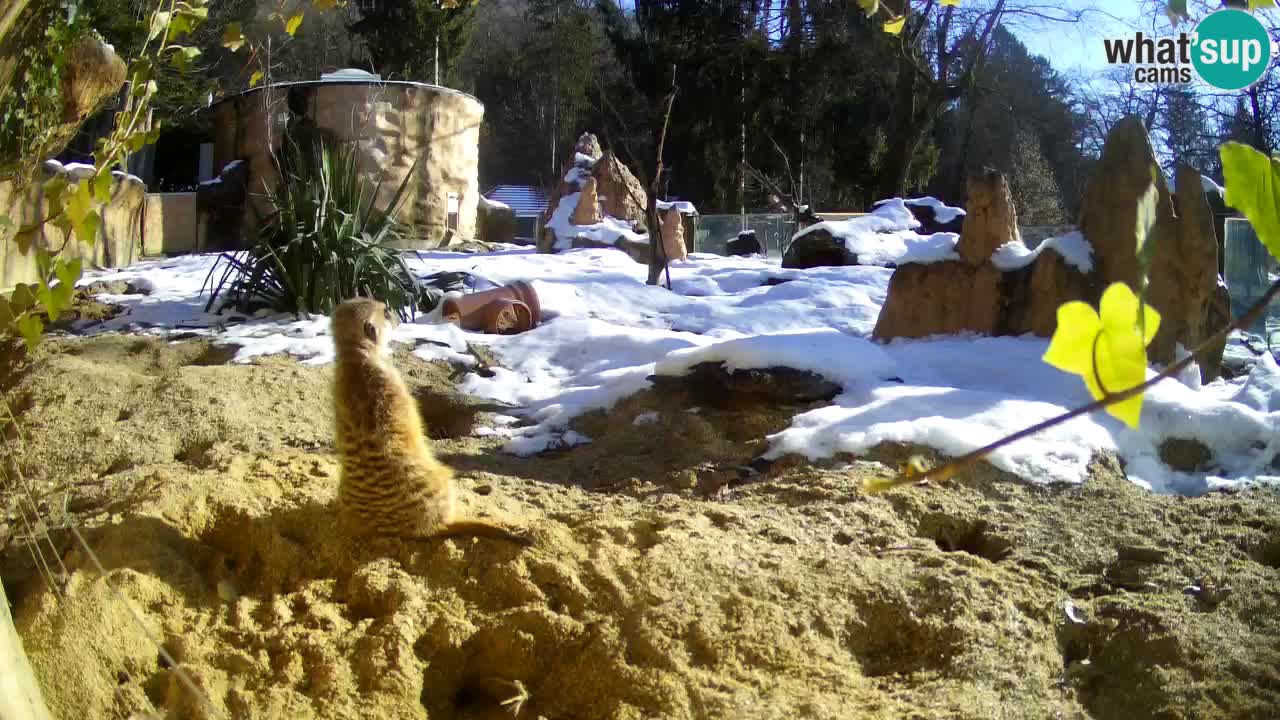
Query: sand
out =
(668, 580)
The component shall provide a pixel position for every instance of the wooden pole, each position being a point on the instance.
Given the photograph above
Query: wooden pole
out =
(20, 697)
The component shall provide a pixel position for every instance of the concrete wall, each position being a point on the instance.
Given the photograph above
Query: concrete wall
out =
(392, 125)
(119, 235)
(172, 224)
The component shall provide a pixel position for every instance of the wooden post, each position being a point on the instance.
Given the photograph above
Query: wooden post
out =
(20, 697)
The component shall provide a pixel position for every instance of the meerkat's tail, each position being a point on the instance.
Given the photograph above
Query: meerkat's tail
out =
(479, 528)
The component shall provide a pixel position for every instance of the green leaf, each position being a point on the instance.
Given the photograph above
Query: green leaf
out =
(183, 56)
(159, 22)
(102, 186)
(31, 328)
(79, 203)
(180, 25)
(68, 271)
(291, 25)
(24, 298)
(87, 228)
(1253, 188)
(255, 78)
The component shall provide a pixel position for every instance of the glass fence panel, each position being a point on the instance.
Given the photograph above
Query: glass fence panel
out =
(1249, 271)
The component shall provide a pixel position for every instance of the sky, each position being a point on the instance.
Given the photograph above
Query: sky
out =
(1077, 47)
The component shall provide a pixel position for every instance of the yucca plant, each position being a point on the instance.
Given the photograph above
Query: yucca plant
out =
(325, 242)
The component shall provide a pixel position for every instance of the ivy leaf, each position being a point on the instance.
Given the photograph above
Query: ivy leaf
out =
(255, 78)
(291, 25)
(1109, 348)
(183, 56)
(1253, 188)
(87, 228)
(102, 186)
(233, 37)
(25, 239)
(869, 6)
(159, 22)
(79, 203)
(45, 296)
(894, 26)
(179, 25)
(31, 328)
(23, 299)
(68, 271)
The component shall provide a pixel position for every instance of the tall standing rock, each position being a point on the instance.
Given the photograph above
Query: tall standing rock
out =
(621, 194)
(991, 220)
(1183, 275)
(587, 212)
(673, 235)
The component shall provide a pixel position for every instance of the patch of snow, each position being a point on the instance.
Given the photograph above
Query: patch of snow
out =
(885, 237)
(1261, 389)
(684, 207)
(609, 230)
(540, 442)
(647, 418)
(942, 212)
(488, 204)
(1074, 248)
(80, 171)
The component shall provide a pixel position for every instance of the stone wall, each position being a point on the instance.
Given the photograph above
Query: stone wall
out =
(392, 125)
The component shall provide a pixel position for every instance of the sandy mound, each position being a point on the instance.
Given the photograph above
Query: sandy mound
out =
(667, 580)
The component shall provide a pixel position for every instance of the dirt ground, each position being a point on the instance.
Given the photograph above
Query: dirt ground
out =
(671, 578)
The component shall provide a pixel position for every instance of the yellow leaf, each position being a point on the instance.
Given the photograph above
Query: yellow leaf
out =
(79, 203)
(102, 186)
(233, 37)
(323, 5)
(951, 3)
(869, 6)
(291, 25)
(1107, 349)
(894, 26)
(255, 78)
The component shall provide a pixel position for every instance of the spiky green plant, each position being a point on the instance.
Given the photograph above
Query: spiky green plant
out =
(324, 243)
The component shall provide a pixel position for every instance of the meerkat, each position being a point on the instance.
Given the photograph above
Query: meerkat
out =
(390, 482)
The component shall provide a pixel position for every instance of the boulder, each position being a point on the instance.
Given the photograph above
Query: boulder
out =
(587, 211)
(639, 251)
(673, 235)
(974, 295)
(495, 222)
(817, 248)
(991, 220)
(745, 244)
(621, 195)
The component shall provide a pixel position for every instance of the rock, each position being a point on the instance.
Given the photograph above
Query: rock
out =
(1183, 272)
(745, 244)
(495, 223)
(1210, 359)
(639, 251)
(673, 235)
(1185, 454)
(991, 221)
(776, 385)
(93, 73)
(817, 248)
(588, 145)
(587, 211)
(621, 195)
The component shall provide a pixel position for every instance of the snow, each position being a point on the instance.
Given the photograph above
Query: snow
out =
(1074, 248)
(605, 332)
(609, 230)
(942, 212)
(885, 237)
(488, 204)
(684, 207)
(80, 171)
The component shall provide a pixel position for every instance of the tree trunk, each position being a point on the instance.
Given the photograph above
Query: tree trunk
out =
(20, 697)
(909, 123)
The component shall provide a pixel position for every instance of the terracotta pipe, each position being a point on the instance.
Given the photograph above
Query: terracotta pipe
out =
(511, 308)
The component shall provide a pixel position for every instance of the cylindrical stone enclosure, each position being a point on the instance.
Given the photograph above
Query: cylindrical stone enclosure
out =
(391, 125)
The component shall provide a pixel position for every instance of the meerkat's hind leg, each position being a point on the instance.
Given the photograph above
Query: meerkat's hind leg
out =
(480, 528)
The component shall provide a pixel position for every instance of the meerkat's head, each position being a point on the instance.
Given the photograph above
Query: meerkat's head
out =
(363, 325)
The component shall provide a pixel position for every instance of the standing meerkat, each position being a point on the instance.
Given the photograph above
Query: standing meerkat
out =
(391, 483)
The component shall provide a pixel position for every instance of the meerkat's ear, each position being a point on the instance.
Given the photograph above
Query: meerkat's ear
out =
(371, 331)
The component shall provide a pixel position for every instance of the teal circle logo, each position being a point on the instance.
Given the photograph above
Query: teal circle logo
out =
(1232, 49)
